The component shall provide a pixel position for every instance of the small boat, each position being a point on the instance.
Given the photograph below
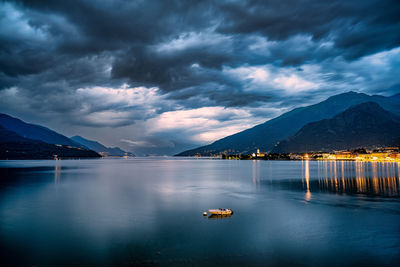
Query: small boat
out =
(221, 212)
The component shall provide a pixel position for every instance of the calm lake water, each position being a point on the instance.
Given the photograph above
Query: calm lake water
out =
(148, 211)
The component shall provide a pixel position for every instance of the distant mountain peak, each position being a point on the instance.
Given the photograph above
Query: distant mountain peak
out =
(348, 94)
(352, 93)
(100, 148)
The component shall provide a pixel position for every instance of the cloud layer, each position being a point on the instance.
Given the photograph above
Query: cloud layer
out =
(166, 72)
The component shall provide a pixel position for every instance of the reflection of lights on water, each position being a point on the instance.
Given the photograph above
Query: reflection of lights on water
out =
(343, 175)
(307, 177)
(375, 178)
(307, 196)
(307, 174)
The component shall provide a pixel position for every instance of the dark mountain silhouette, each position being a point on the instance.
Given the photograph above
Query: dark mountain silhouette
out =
(265, 136)
(96, 146)
(363, 125)
(14, 146)
(33, 131)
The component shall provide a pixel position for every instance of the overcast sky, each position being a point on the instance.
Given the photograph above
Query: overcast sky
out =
(167, 75)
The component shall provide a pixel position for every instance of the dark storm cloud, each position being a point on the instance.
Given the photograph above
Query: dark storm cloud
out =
(217, 95)
(115, 25)
(130, 32)
(357, 27)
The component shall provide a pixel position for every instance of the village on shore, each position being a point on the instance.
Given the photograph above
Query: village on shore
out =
(387, 154)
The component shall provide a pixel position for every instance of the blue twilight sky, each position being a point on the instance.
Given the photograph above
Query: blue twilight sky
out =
(167, 75)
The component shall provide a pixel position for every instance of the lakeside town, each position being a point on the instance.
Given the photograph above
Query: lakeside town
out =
(387, 154)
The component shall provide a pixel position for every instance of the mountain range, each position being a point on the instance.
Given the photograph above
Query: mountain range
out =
(363, 125)
(15, 146)
(21, 140)
(266, 135)
(100, 148)
(33, 131)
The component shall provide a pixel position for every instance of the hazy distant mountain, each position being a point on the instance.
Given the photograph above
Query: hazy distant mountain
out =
(265, 136)
(163, 150)
(363, 125)
(96, 146)
(14, 146)
(33, 131)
